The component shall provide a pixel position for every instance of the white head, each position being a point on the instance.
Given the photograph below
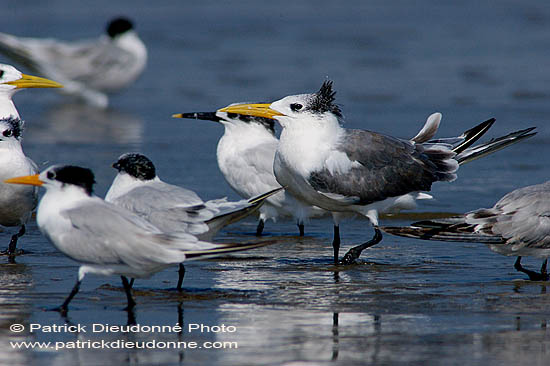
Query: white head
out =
(11, 81)
(60, 177)
(316, 108)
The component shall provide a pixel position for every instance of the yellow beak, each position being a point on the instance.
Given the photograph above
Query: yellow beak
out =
(257, 110)
(29, 81)
(27, 179)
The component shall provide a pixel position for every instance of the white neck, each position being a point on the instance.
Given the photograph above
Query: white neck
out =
(122, 184)
(247, 134)
(53, 203)
(306, 143)
(7, 108)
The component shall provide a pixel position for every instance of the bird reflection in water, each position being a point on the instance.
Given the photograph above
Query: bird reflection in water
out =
(80, 123)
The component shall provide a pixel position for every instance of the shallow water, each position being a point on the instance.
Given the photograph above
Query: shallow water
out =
(393, 63)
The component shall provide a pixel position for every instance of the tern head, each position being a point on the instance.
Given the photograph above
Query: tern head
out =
(290, 110)
(59, 176)
(119, 26)
(231, 119)
(12, 80)
(136, 165)
(10, 129)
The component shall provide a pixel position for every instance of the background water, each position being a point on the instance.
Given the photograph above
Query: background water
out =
(393, 64)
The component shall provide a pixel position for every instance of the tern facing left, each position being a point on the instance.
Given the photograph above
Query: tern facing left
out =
(171, 208)
(245, 156)
(358, 171)
(104, 238)
(16, 202)
(87, 68)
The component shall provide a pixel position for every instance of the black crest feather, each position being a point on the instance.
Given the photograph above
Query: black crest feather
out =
(75, 175)
(15, 127)
(137, 165)
(118, 26)
(323, 100)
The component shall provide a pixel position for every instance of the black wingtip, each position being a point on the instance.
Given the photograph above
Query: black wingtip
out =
(226, 249)
(473, 134)
(264, 196)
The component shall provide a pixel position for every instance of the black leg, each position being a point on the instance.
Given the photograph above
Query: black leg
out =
(355, 252)
(301, 228)
(543, 272)
(13, 242)
(128, 290)
(335, 337)
(64, 308)
(533, 276)
(132, 282)
(181, 273)
(260, 228)
(131, 319)
(336, 243)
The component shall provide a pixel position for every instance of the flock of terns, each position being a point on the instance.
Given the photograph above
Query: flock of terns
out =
(315, 168)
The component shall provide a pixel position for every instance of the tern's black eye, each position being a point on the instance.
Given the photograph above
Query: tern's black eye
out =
(50, 175)
(1, 73)
(296, 107)
(7, 133)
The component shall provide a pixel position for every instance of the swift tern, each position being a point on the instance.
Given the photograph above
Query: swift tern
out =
(517, 225)
(359, 171)
(87, 68)
(16, 202)
(245, 156)
(171, 208)
(107, 239)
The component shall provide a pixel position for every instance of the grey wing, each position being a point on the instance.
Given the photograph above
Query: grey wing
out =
(93, 62)
(111, 235)
(190, 219)
(383, 166)
(145, 199)
(524, 219)
(168, 207)
(98, 62)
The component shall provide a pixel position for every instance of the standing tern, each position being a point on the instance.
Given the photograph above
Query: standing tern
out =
(517, 225)
(107, 239)
(358, 171)
(16, 202)
(245, 156)
(87, 68)
(171, 208)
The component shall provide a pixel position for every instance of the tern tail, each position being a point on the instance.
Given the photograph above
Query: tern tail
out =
(465, 155)
(453, 229)
(225, 249)
(238, 212)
